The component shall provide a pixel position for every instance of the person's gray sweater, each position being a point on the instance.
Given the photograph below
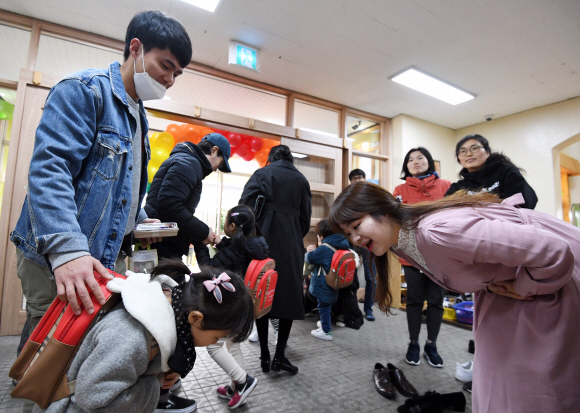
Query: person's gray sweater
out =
(111, 368)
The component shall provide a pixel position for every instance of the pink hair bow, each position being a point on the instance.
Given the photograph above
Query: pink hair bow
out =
(214, 283)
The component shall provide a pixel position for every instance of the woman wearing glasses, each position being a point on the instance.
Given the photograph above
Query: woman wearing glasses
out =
(487, 171)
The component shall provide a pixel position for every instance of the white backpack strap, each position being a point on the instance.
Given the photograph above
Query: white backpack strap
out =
(329, 246)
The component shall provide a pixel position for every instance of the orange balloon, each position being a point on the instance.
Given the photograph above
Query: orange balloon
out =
(205, 131)
(152, 169)
(176, 132)
(164, 140)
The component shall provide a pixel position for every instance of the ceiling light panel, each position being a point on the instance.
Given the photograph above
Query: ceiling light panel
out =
(209, 5)
(424, 83)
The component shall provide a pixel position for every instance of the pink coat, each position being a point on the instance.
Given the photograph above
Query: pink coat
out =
(527, 355)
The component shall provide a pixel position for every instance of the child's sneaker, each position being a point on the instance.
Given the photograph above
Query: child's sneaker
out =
(254, 336)
(225, 392)
(176, 404)
(321, 334)
(242, 392)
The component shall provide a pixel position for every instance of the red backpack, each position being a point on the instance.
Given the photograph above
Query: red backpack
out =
(44, 361)
(261, 279)
(342, 268)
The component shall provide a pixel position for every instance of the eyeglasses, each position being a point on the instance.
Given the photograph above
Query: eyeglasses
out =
(472, 149)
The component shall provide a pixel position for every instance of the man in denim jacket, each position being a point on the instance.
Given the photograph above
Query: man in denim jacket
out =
(88, 172)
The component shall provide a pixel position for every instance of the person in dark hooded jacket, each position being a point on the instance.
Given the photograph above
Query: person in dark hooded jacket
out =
(176, 190)
(321, 258)
(487, 171)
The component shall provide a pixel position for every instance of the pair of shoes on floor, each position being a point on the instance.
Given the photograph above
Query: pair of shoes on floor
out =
(176, 404)
(433, 402)
(283, 364)
(369, 315)
(464, 372)
(319, 333)
(467, 387)
(389, 378)
(238, 396)
(413, 356)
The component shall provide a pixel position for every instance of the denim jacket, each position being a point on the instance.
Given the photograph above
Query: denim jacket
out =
(79, 182)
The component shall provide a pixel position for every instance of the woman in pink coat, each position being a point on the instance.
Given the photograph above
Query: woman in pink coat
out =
(524, 267)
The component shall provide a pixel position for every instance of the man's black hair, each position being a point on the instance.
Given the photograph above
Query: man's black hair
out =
(156, 29)
(206, 147)
(356, 172)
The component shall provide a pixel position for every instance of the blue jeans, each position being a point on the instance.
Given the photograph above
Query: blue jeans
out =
(324, 311)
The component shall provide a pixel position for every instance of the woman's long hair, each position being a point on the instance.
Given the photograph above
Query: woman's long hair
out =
(364, 198)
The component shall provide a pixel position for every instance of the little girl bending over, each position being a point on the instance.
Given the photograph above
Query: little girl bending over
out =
(235, 252)
(112, 369)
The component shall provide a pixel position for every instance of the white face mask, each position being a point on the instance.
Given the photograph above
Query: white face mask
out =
(146, 87)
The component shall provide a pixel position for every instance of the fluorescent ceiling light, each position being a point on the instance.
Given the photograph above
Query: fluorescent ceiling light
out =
(319, 132)
(433, 87)
(299, 155)
(209, 5)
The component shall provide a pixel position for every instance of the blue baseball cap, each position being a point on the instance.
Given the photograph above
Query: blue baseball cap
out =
(221, 142)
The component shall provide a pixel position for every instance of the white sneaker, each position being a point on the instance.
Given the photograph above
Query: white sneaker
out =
(340, 324)
(464, 372)
(321, 334)
(254, 336)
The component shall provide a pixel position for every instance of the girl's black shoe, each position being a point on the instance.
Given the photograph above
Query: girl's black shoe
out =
(265, 363)
(283, 364)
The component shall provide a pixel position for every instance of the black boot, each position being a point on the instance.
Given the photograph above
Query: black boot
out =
(283, 364)
(265, 364)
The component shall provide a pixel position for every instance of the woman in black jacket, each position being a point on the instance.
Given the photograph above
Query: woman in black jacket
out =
(176, 191)
(487, 171)
(284, 220)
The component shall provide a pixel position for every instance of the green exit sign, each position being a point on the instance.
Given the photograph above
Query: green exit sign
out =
(244, 55)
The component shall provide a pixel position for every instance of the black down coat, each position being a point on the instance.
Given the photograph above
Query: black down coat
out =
(284, 221)
(231, 258)
(174, 195)
(498, 177)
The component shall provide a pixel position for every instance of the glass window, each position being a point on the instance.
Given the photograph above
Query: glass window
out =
(316, 170)
(372, 167)
(313, 118)
(62, 57)
(365, 135)
(321, 203)
(206, 91)
(14, 51)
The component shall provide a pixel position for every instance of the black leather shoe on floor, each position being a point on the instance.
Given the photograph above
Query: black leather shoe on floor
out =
(400, 382)
(283, 364)
(383, 382)
(265, 364)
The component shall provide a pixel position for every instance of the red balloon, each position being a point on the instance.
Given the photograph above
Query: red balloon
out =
(234, 139)
(256, 144)
(249, 156)
(243, 150)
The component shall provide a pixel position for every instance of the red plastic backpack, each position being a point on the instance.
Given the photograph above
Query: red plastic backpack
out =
(342, 268)
(261, 279)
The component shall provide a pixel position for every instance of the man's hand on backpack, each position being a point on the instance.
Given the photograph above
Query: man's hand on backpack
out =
(74, 277)
(310, 248)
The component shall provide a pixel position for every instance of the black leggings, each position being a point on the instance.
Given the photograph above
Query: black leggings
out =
(283, 334)
(420, 288)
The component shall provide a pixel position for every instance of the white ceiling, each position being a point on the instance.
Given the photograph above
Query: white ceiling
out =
(513, 55)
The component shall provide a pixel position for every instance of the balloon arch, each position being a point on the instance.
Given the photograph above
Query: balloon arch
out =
(246, 147)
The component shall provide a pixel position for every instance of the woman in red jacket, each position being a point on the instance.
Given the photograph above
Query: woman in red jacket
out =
(421, 184)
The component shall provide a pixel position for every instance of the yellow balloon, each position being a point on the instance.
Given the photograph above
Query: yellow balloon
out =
(164, 140)
(159, 155)
(152, 138)
(152, 169)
